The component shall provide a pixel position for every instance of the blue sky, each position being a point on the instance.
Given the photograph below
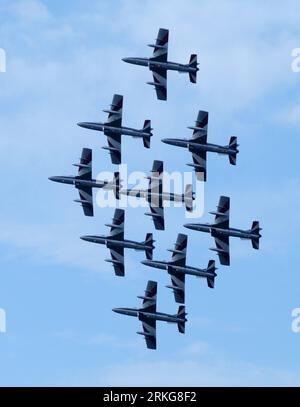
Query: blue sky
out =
(63, 66)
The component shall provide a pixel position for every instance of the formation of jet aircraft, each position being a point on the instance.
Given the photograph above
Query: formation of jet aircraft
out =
(159, 64)
(156, 195)
(113, 129)
(221, 231)
(116, 243)
(178, 269)
(148, 315)
(199, 146)
(84, 182)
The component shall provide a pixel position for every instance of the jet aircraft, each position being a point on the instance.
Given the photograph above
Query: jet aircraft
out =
(159, 64)
(116, 242)
(113, 129)
(199, 146)
(155, 195)
(148, 315)
(221, 231)
(85, 184)
(178, 269)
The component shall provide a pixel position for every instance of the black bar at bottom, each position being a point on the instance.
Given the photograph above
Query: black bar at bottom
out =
(99, 396)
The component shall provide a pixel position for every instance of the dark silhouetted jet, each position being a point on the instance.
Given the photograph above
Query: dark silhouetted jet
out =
(155, 195)
(116, 242)
(199, 146)
(221, 231)
(85, 184)
(178, 269)
(148, 315)
(159, 64)
(113, 129)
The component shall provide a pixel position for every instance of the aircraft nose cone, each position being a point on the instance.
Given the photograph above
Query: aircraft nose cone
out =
(86, 238)
(81, 124)
(188, 225)
(125, 59)
(191, 226)
(165, 140)
(117, 310)
(55, 179)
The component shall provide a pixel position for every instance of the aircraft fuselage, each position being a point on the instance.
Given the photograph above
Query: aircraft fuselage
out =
(202, 227)
(114, 130)
(168, 65)
(71, 180)
(164, 265)
(154, 196)
(158, 316)
(128, 244)
(214, 148)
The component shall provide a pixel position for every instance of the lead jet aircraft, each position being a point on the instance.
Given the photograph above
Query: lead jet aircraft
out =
(85, 184)
(159, 64)
(148, 315)
(178, 269)
(221, 231)
(155, 195)
(113, 129)
(116, 242)
(199, 146)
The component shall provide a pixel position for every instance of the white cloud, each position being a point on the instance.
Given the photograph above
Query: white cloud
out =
(30, 11)
(197, 348)
(291, 116)
(65, 69)
(198, 373)
(100, 339)
(52, 245)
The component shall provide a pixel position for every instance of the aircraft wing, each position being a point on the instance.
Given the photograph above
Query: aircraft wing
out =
(85, 173)
(222, 222)
(157, 214)
(178, 284)
(199, 159)
(149, 299)
(149, 331)
(114, 120)
(179, 252)
(160, 53)
(200, 129)
(156, 174)
(154, 195)
(117, 226)
(199, 137)
(149, 305)
(222, 246)
(86, 200)
(222, 213)
(114, 146)
(117, 258)
(159, 81)
(115, 112)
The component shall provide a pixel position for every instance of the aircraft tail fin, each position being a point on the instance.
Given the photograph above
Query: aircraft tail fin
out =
(147, 129)
(149, 241)
(116, 183)
(188, 197)
(181, 314)
(234, 146)
(255, 230)
(193, 64)
(211, 267)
